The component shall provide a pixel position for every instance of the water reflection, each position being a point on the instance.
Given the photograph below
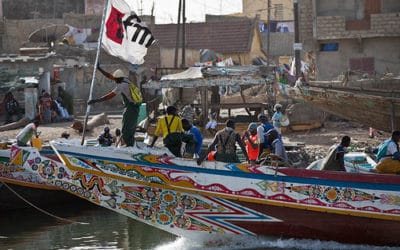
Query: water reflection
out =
(30, 229)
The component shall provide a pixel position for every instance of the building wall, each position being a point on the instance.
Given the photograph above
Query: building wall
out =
(306, 24)
(280, 9)
(384, 25)
(94, 7)
(385, 51)
(351, 9)
(390, 6)
(167, 56)
(324, 21)
(281, 43)
(36, 9)
(17, 32)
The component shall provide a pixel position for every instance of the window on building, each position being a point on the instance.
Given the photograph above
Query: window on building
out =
(329, 47)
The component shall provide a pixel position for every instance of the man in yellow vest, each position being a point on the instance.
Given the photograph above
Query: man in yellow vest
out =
(132, 101)
(170, 128)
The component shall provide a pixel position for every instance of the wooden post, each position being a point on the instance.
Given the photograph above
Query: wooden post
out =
(204, 103)
(394, 125)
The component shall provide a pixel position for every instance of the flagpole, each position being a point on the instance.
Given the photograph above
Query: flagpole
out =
(95, 69)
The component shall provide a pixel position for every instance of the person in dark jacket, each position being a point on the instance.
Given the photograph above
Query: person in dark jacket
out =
(225, 145)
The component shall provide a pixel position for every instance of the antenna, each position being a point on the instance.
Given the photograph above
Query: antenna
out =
(140, 9)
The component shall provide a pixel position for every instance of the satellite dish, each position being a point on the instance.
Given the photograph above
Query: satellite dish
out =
(48, 34)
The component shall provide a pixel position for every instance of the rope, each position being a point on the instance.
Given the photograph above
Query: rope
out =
(41, 210)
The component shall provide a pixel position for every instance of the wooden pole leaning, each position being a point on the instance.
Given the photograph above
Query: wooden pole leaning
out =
(94, 69)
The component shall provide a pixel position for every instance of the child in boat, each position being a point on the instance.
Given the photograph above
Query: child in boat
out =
(106, 138)
(250, 139)
(388, 156)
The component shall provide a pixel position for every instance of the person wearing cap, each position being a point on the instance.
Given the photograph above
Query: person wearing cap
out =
(170, 128)
(132, 100)
(225, 144)
(250, 139)
(262, 130)
(276, 118)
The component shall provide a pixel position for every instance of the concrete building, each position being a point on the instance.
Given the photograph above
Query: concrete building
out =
(361, 36)
(280, 9)
(277, 42)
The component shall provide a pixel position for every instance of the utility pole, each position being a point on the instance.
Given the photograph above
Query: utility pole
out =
(297, 46)
(184, 34)
(178, 31)
(268, 32)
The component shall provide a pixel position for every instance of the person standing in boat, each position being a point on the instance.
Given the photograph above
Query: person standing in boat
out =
(334, 161)
(262, 130)
(193, 139)
(388, 156)
(225, 144)
(132, 100)
(170, 127)
(250, 139)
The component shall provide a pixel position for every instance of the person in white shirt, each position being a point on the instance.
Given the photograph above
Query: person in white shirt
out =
(27, 132)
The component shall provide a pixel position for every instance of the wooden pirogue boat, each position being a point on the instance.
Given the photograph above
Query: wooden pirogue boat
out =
(218, 201)
(375, 103)
(19, 187)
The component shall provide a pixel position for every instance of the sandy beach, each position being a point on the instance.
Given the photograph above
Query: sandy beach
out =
(315, 142)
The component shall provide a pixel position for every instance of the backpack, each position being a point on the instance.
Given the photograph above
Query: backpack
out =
(135, 93)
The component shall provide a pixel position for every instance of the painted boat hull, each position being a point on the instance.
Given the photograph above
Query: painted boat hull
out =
(15, 182)
(218, 200)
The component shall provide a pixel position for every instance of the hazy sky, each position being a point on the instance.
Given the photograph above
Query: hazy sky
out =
(166, 11)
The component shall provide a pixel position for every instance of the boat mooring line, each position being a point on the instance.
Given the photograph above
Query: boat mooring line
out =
(41, 210)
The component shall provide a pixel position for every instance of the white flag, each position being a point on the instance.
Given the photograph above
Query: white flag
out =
(125, 36)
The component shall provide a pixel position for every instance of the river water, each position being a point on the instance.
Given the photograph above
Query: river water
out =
(91, 227)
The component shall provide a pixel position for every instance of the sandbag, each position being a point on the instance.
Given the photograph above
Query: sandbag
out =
(95, 121)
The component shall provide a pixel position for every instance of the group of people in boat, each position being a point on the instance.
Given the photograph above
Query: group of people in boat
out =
(254, 142)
